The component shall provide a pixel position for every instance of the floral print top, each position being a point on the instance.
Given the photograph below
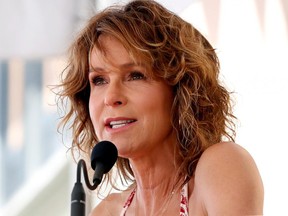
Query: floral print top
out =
(183, 202)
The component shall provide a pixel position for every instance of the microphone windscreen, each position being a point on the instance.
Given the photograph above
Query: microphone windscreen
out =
(106, 153)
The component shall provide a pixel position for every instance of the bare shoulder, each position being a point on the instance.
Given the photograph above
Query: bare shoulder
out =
(228, 182)
(111, 205)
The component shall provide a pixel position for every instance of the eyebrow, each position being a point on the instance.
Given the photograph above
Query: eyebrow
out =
(123, 66)
(93, 69)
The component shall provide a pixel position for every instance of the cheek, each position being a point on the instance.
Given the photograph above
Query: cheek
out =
(166, 109)
(161, 105)
(165, 101)
(91, 109)
(94, 115)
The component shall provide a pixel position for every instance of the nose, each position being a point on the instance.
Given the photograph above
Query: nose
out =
(115, 95)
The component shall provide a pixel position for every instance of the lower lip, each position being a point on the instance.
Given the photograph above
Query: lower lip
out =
(120, 129)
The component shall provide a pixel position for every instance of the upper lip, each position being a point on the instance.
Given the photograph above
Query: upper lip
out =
(108, 121)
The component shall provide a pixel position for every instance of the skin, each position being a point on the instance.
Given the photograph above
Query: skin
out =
(121, 90)
(226, 181)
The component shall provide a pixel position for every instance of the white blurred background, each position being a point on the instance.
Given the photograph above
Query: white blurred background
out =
(37, 173)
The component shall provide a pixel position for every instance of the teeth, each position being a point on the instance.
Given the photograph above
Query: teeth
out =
(118, 126)
(120, 123)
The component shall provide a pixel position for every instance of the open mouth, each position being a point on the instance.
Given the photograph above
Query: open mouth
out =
(120, 123)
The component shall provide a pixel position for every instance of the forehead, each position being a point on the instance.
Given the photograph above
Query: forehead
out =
(110, 54)
(109, 50)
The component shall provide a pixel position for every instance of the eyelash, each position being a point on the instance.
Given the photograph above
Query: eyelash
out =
(135, 75)
(98, 80)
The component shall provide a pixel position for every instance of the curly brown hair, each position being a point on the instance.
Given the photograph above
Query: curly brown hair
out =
(179, 54)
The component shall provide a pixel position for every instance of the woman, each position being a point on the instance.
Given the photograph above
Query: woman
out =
(146, 80)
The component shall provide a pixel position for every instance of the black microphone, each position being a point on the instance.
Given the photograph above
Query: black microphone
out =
(103, 157)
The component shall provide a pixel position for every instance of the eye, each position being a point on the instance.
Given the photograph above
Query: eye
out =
(136, 75)
(98, 80)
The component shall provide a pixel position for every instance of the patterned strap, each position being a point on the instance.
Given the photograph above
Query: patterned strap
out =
(183, 202)
(128, 202)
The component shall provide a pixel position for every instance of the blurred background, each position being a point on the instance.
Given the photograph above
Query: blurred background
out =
(36, 171)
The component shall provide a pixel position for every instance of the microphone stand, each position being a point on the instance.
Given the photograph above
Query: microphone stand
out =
(78, 197)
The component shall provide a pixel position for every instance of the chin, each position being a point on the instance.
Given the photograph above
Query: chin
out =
(124, 146)
(123, 153)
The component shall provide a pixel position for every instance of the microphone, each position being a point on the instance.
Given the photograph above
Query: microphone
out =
(103, 157)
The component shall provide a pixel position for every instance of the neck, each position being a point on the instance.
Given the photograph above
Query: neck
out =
(156, 178)
(155, 170)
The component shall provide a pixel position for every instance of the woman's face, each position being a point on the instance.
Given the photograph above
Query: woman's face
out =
(127, 107)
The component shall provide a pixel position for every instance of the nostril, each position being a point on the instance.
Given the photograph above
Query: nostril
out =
(113, 99)
(118, 103)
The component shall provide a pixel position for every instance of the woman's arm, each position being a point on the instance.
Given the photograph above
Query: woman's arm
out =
(109, 206)
(228, 181)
